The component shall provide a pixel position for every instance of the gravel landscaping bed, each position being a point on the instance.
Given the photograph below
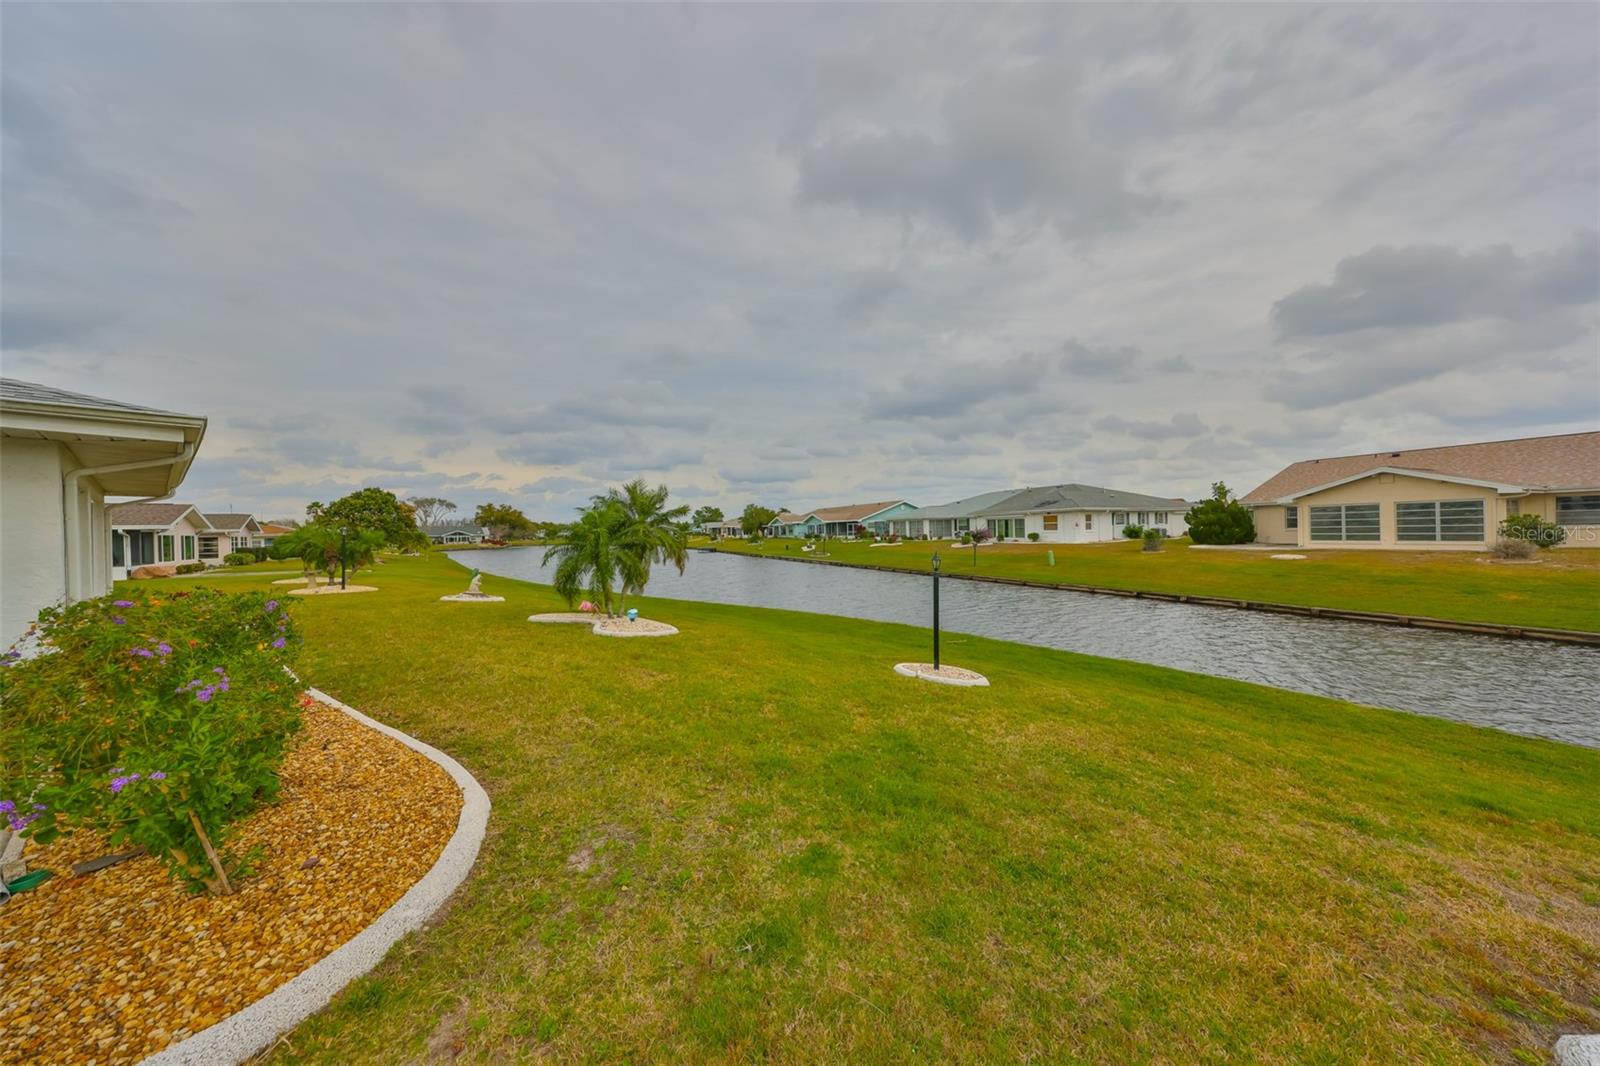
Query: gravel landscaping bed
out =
(116, 965)
(944, 675)
(333, 590)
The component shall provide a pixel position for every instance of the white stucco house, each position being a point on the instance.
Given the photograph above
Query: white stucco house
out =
(232, 532)
(161, 535)
(446, 533)
(1081, 514)
(61, 454)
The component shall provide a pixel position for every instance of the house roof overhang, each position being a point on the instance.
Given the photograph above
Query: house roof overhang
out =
(1425, 475)
(111, 436)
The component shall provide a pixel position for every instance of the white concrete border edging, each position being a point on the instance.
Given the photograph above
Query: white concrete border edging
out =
(977, 680)
(243, 1034)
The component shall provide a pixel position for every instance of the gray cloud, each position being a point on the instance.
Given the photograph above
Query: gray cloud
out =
(1434, 285)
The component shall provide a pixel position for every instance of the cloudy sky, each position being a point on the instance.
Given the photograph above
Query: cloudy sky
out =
(802, 255)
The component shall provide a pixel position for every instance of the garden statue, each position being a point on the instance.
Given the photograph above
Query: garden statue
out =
(474, 593)
(474, 586)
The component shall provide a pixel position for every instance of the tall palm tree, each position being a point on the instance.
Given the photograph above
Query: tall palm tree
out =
(647, 532)
(587, 559)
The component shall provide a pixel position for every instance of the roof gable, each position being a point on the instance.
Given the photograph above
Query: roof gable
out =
(1075, 497)
(154, 515)
(1568, 460)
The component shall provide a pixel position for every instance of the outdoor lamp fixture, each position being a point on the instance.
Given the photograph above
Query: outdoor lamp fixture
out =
(936, 611)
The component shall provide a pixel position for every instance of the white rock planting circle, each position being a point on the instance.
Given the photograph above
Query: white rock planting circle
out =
(1288, 555)
(467, 597)
(333, 590)
(944, 675)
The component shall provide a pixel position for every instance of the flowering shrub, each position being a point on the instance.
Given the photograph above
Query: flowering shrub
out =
(159, 719)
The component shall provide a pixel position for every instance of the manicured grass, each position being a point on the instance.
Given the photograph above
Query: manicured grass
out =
(754, 841)
(1560, 589)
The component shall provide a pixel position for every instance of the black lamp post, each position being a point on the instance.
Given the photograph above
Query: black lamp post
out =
(936, 610)
(343, 583)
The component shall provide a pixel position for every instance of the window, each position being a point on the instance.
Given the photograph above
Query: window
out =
(1088, 520)
(1161, 518)
(1050, 523)
(165, 542)
(1578, 510)
(1513, 507)
(1144, 518)
(208, 547)
(1350, 521)
(188, 549)
(1443, 520)
(1119, 518)
(1291, 518)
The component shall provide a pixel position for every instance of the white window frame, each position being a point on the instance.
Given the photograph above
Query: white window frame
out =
(1344, 523)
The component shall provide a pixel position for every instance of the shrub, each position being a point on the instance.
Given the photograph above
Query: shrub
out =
(159, 720)
(1152, 539)
(1531, 529)
(981, 535)
(190, 568)
(1133, 531)
(1514, 548)
(1221, 519)
(1033, 536)
(238, 559)
(966, 538)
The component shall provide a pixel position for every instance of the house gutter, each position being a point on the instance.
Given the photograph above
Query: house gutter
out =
(69, 502)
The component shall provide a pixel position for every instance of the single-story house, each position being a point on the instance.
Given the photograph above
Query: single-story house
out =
(1451, 497)
(846, 521)
(719, 530)
(271, 531)
(445, 533)
(947, 520)
(160, 535)
(233, 532)
(62, 454)
(1081, 514)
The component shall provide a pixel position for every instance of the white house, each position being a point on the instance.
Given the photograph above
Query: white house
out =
(231, 532)
(1081, 514)
(444, 533)
(949, 519)
(160, 534)
(61, 455)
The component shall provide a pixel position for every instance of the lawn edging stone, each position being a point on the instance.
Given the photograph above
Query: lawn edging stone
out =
(247, 1032)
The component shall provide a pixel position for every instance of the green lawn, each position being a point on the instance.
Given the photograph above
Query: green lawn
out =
(1560, 589)
(754, 841)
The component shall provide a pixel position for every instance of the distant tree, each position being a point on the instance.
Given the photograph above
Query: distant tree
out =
(586, 558)
(503, 521)
(1220, 520)
(431, 510)
(756, 518)
(319, 546)
(371, 509)
(705, 516)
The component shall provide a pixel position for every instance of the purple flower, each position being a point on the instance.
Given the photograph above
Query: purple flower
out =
(118, 620)
(158, 776)
(143, 653)
(222, 686)
(122, 603)
(204, 695)
(280, 642)
(272, 605)
(163, 648)
(6, 806)
(118, 784)
(216, 670)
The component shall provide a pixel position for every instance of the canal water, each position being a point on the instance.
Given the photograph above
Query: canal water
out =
(1528, 687)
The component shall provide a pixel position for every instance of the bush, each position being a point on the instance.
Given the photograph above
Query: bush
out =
(1221, 519)
(1033, 536)
(966, 538)
(1531, 529)
(238, 559)
(1133, 531)
(1152, 539)
(190, 568)
(981, 535)
(1513, 548)
(160, 720)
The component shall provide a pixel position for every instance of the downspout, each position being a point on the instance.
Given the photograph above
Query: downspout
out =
(69, 503)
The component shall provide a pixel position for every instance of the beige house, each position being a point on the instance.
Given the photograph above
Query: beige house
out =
(61, 455)
(1447, 498)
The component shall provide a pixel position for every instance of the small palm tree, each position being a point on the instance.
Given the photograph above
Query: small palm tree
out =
(647, 532)
(587, 560)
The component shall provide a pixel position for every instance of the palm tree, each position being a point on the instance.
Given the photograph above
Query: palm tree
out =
(586, 557)
(647, 532)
